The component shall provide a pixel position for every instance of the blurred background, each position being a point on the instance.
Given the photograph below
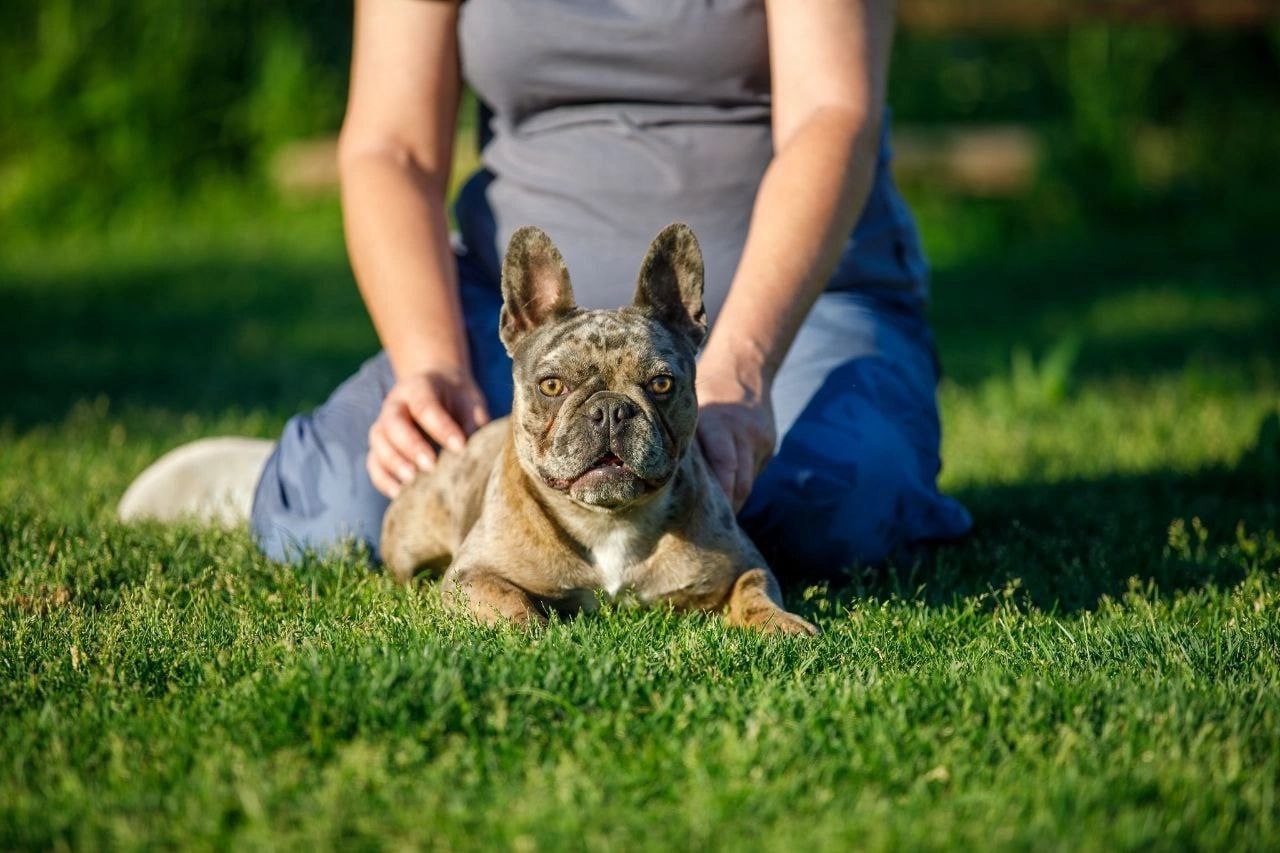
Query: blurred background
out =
(1073, 109)
(1096, 184)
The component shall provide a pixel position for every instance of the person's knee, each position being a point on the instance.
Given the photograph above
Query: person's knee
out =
(286, 536)
(822, 515)
(276, 537)
(314, 496)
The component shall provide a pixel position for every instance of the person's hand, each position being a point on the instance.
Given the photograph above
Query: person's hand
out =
(439, 406)
(735, 425)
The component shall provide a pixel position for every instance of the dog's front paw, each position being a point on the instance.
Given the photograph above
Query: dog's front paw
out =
(755, 603)
(782, 622)
(492, 600)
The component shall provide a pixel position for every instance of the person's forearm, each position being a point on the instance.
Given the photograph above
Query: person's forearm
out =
(808, 202)
(398, 240)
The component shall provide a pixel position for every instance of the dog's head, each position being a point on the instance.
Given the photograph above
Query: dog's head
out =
(604, 406)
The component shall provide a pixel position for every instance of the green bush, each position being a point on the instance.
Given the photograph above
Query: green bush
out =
(111, 104)
(1134, 117)
(105, 103)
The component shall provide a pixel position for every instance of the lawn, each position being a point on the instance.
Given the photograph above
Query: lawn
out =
(1097, 667)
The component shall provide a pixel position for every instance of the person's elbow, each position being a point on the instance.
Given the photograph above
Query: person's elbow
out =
(843, 123)
(852, 118)
(361, 149)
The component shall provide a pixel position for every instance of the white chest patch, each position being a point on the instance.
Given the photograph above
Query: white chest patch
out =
(615, 554)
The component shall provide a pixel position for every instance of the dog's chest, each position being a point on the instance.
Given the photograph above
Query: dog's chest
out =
(616, 553)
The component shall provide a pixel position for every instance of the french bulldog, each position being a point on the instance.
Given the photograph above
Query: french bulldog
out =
(595, 485)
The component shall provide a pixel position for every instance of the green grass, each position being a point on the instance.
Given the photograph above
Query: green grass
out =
(1097, 667)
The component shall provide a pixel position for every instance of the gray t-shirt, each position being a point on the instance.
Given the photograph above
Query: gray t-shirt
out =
(609, 119)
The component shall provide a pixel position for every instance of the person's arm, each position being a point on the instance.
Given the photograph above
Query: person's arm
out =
(829, 61)
(394, 155)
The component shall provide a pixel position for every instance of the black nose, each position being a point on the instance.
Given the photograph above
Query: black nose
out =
(611, 410)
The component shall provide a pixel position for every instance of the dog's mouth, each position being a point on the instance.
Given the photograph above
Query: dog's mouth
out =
(608, 466)
(607, 460)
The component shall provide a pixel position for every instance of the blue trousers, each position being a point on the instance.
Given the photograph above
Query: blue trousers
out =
(853, 480)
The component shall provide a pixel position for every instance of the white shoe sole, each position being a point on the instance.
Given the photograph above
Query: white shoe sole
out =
(211, 481)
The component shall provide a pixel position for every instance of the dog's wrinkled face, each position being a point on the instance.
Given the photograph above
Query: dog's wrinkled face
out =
(604, 406)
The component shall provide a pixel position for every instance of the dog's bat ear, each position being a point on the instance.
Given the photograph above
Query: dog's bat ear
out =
(535, 285)
(670, 282)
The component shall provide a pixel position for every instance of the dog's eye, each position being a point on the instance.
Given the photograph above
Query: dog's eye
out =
(552, 386)
(661, 384)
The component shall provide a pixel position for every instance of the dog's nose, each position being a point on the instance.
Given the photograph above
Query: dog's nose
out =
(611, 410)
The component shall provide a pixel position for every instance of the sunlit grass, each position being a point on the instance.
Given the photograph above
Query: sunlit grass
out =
(1098, 667)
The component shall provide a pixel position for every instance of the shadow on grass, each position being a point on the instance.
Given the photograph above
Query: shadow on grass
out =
(1064, 545)
(199, 335)
(261, 330)
(1141, 301)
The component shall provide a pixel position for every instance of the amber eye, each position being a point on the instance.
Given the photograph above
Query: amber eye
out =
(552, 386)
(661, 384)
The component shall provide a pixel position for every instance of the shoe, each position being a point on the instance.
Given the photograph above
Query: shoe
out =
(210, 481)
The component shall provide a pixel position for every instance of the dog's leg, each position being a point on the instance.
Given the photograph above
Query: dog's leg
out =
(491, 599)
(415, 531)
(756, 602)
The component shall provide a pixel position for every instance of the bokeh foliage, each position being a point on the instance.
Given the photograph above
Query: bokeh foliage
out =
(1134, 117)
(107, 105)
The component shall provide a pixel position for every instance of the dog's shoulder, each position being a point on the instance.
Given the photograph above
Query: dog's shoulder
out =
(432, 515)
